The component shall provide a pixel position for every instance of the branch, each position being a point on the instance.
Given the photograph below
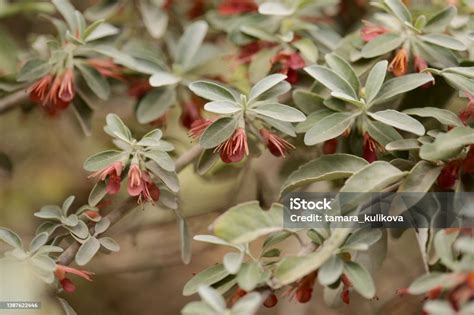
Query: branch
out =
(130, 204)
(12, 100)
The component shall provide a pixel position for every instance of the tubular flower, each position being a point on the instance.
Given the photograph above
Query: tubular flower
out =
(233, 149)
(277, 146)
(138, 88)
(107, 68)
(369, 148)
(68, 286)
(330, 146)
(468, 111)
(112, 172)
(54, 92)
(236, 7)
(270, 301)
(66, 89)
(197, 9)
(420, 64)
(468, 162)
(237, 295)
(198, 127)
(141, 185)
(370, 31)
(305, 288)
(289, 64)
(345, 297)
(399, 64)
(247, 52)
(448, 176)
(191, 111)
(39, 90)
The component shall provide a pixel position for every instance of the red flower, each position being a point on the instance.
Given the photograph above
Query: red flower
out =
(191, 111)
(370, 31)
(468, 111)
(330, 146)
(113, 172)
(235, 7)
(237, 295)
(39, 90)
(345, 296)
(138, 88)
(66, 89)
(247, 52)
(399, 64)
(369, 148)
(107, 68)
(167, 4)
(68, 286)
(141, 185)
(197, 9)
(198, 127)
(289, 64)
(305, 288)
(234, 148)
(270, 301)
(53, 92)
(420, 65)
(448, 176)
(468, 162)
(276, 145)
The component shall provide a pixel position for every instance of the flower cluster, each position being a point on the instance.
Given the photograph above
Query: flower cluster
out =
(142, 162)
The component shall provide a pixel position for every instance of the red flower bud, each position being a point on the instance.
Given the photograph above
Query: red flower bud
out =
(448, 176)
(270, 301)
(303, 294)
(330, 146)
(235, 7)
(371, 31)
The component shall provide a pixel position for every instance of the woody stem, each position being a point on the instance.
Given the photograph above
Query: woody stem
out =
(130, 204)
(12, 100)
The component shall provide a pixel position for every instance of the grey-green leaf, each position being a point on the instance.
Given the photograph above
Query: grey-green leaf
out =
(218, 132)
(10, 237)
(381, 45)
(162, 159)
(102, 159)
(444, 116)
(375, 80)
(344, 69)
(212, 91)
(444, 41)
(190, 42)
(222, 107)
(399, 85)
(400, 10)
(329, 127)
(331, 80)
(87, 251)
(95, 81)
(208, 276)
(360, 278)
(330, 271)
(155, 104)
(326, 167)
(399, 120)
(265, 84)
(448, 145)
(280, 112)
